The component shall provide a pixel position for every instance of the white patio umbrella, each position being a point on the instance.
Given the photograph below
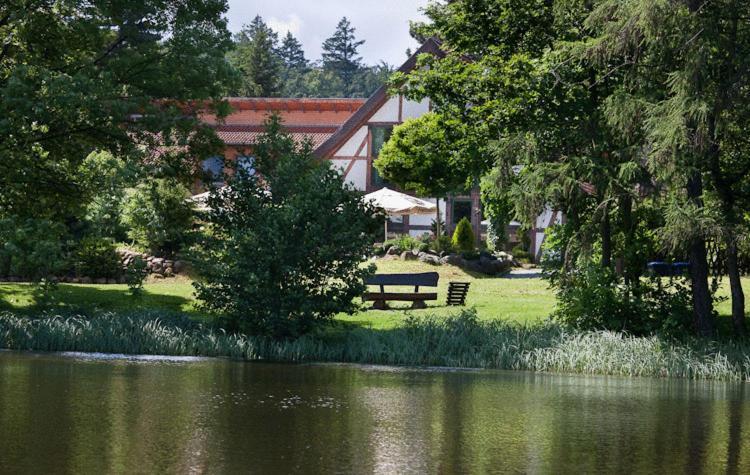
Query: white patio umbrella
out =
(395, 203)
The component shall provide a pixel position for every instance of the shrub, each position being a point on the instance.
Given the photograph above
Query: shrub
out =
(283, 254)
(424, 247)
(463, 236)
(404, 243)
(96, 257)
(158, 216)
(595, 298)
(443, 244)
(32, 248)
(135, 275)
(105, 178)
(521, 254)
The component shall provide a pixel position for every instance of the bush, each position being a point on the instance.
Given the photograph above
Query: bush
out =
(595, 298)
(283, 254)
(404, 243)
(135, 275)
(96, 257)
(158, 216)
(424, 247)
(442, 244)
(105, 178)
(463, 236)
(521, 254)
(32, 248)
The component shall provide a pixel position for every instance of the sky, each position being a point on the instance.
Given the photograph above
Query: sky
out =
(383, 24)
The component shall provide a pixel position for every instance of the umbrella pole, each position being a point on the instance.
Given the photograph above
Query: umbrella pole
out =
(386, 229)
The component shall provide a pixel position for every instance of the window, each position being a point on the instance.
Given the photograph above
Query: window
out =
(214, 169)
(246, 164)
(461, 209)
(380, 135)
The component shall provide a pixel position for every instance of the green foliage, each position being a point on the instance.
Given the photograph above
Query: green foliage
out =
(74, 75)
(340, 53)
(106, 177)
(404, 242)
(158, 216)
(283, 254)
(463, 236)
(596, 298)
(422, 156)
(96, 257)
(135, 275)
(443, 244)
(256, 58)
(461, 340)
(32, 248)
(520, 253)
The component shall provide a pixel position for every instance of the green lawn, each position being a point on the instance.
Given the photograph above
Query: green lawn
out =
(524, 300)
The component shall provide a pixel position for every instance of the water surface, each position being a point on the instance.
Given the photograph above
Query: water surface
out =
(82, 414)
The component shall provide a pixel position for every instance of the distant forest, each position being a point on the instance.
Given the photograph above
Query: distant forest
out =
(269, 66)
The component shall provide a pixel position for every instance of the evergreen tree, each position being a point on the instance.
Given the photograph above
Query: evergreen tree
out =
(291, 53)
(340, 54)
(256, 58)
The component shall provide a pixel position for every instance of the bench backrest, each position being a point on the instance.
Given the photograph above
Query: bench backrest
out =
(426, 279)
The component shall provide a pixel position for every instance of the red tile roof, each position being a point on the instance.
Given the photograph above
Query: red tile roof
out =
(315, 119)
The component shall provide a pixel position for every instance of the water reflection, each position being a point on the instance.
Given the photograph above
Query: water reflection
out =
(91, 415)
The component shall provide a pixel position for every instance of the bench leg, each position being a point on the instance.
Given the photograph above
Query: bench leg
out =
(380, 305)
(417, 304)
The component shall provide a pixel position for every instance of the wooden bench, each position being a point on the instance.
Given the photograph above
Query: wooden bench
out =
(457, 293)
(380, 299)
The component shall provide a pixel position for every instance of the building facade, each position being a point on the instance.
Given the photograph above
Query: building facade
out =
(349, 133)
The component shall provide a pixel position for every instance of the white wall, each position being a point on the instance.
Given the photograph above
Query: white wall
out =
(412, 109)
(349, 149)
(387, 113)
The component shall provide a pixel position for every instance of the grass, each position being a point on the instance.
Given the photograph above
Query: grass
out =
(523, 300)
(506, 328)
(458, 341)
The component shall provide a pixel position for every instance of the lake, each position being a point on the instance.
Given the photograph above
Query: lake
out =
(98, 414)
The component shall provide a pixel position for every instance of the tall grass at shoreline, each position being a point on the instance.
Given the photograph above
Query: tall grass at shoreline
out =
(459, 341)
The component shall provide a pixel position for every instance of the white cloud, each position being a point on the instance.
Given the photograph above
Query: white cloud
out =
(293, 24)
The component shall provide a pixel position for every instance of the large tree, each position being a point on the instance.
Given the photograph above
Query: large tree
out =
(341, 53)
(686, 63)
(256, 57)
(78, 76)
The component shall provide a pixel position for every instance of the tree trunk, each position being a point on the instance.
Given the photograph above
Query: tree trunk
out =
(606, 231)
(702, 304)
(630, 271)
(738, 296)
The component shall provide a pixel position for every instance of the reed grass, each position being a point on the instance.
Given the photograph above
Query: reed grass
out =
(461, 341)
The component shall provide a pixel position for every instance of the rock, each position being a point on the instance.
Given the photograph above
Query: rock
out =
(454, 259)
(101, 280)
(122, 280)
(408, 256)
(168, 272)
(158, 276)
(111, 281)
(180, 267)
(429, 259)
(393, 251)
(86, 280)
(75, 280)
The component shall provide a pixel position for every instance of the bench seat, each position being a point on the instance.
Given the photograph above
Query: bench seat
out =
(380, 299)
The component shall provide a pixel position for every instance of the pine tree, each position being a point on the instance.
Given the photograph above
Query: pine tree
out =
(256, 58)
(292, 54)
(340, 53)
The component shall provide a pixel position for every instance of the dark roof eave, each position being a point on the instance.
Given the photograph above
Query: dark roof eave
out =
(375, 101)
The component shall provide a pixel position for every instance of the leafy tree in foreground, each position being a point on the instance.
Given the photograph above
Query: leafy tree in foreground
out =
(284, 249)
(78, 76)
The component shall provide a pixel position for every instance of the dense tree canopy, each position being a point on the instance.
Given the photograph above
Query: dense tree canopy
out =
(622, 115)
(81, 76)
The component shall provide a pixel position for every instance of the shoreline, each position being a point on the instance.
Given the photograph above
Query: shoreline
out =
(462, 342)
